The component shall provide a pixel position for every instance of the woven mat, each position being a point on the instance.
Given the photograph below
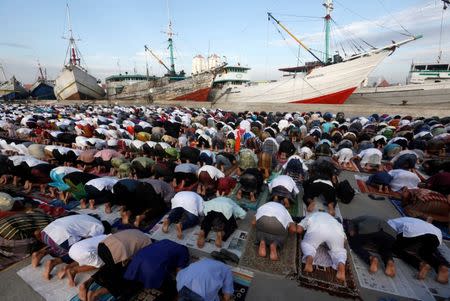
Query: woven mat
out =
(287, 265)
(324, 279)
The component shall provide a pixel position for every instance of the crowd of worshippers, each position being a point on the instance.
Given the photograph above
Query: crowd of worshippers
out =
(183, 164)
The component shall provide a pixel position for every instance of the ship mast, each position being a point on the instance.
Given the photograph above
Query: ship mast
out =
(446, 4)
(170, 41)
(328, 4)
(73, 57)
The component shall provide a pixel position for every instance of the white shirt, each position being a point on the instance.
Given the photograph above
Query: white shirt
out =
(73, 228)
(103, 183)
(344, 155)
(413, 227)
(373, 155)
(274, 209)
(321, 222)
(85, 251)
(213, 172)
(189, 201)
(402, 178)
(285, 181)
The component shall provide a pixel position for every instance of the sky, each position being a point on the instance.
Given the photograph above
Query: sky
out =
(112, 33)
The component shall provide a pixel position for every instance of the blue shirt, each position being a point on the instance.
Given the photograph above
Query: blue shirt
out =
(205, 278)
(152, 264)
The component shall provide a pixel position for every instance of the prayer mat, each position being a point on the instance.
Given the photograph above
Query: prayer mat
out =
(442, 226)
(100, 211)
(53, 289)
(364, 188)
(287, 265)
(324, 277)
(242, 280)
(94, 286)
(235, 243)
(404, 284)
(246, 203)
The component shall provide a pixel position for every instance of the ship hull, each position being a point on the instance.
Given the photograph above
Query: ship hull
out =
(12, 90)
(74, 83)
(194, 88)
(331, 84)
(413, 94)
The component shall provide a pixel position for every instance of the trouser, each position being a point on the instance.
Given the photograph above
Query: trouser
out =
(335, 242)
(379, 241)
(100, 196)
(269, 229)
(186, 294)
(110, 275)
(218, 221)
(180, 215)
(414, 250)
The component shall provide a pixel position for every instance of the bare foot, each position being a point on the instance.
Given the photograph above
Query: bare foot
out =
(286, 203)
(83, 204)
(373, 265)
(92, 204)
(201, 239)
(273, 252)
(390, 269)
(48, 269)
(108, 209)
(36, 258)
(423, 271)
(82, 292)
(340, 275)
(62, 272)
(331, 210)
(311, 207)
(179, 231)
(165, 227)
(218, 241)
(308, 265)
(71, 277)
(262, 249)
(442, 276)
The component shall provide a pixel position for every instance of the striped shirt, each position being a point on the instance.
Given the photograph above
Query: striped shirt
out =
(22, 225)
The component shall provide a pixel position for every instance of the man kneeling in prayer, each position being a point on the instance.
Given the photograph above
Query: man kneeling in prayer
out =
(320, 228)
(366, 232)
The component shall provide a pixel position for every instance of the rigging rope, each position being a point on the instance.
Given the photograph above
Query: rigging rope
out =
(384, 7)
(364, 18)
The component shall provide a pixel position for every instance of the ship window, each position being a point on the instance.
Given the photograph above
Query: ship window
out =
(438, 67)
(420, 67)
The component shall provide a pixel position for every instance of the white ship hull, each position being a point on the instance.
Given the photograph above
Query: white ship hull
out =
(74, 83)
(412, 94)
(331, 84)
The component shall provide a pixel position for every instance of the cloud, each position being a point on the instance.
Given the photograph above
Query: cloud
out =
(15, 45)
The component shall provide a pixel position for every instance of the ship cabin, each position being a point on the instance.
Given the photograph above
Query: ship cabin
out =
(420, 73)
(116, 83)
(232, 76)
